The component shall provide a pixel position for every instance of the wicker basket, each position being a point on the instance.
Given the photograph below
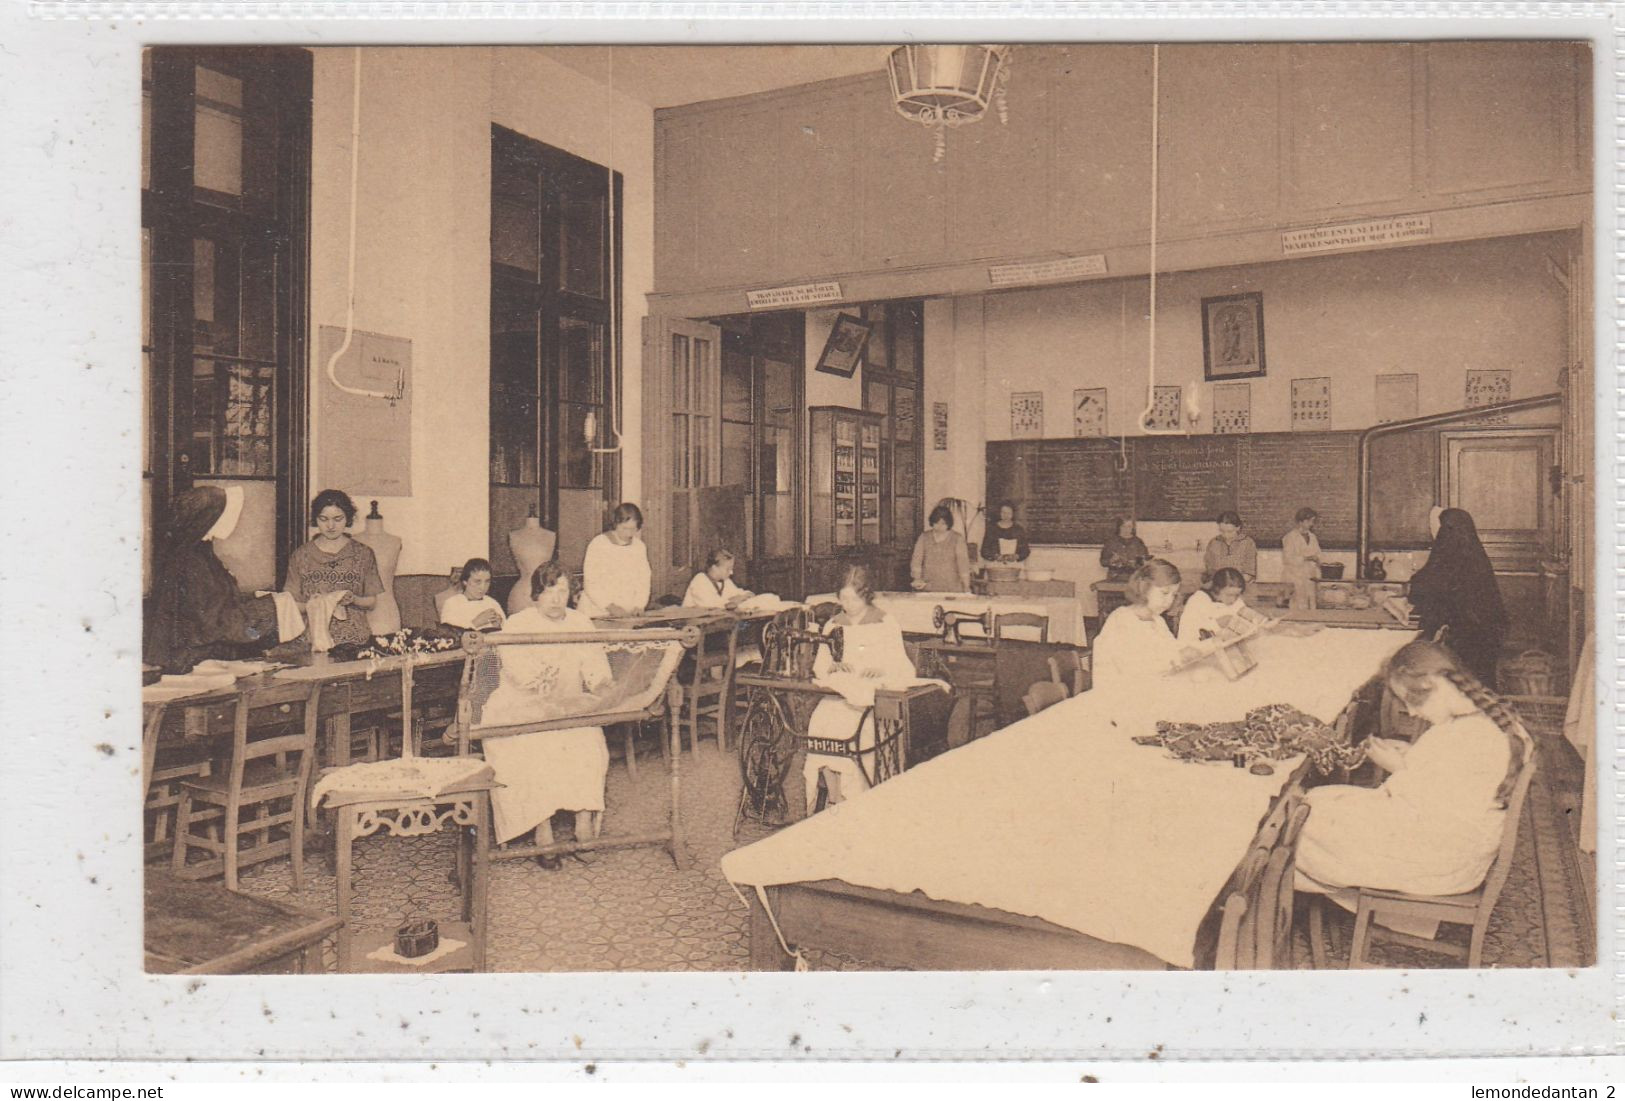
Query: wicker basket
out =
(1529, 674)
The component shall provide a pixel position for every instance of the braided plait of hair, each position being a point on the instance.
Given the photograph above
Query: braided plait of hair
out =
(1521, 747)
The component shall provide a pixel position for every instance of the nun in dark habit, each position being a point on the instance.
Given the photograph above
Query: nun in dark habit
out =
(198, 611)
(1456, 591)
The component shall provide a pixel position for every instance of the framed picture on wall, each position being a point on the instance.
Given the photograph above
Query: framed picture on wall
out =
(844, 348)
(1233, 336)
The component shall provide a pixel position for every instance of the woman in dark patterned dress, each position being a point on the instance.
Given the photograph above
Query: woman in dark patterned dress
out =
(333, 562)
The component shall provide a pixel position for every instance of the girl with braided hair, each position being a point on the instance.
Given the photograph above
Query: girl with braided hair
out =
(1434, 826)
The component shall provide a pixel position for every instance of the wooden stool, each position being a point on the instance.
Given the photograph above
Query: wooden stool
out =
(467, 808)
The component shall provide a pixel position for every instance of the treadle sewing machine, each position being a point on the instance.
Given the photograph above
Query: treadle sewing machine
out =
(781, 697)
(951, 622)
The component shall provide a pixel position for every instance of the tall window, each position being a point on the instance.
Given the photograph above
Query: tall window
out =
(225, 196)
(551, 373)
(891, 386)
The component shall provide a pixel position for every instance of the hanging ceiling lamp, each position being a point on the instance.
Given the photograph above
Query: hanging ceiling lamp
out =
(943, 86)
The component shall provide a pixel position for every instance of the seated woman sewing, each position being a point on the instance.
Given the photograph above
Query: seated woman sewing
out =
(1435, 824)
(1135, 643)
(873, 650)
(1219, 611)
(713, 587)
(547, 771)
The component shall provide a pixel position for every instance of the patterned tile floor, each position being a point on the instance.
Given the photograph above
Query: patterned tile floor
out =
(632, 910)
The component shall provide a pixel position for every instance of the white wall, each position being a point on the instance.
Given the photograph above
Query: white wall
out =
(1433, 310)
(423, 248)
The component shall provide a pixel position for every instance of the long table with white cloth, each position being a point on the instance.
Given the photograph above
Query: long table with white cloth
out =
(1061, 817)
(914, 612)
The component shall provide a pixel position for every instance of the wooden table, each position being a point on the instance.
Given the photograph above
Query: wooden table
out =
(1356, 618)
(882, 893)
(348, 689)
(987, 586)
(913, 611)
(197, 928)
(916, 933)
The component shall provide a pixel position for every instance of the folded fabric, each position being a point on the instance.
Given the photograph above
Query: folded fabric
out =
(290, 621)
(320, 609)
(766, 602)
(217, 666)
(176, 685)
(859, 691)
(405, 777)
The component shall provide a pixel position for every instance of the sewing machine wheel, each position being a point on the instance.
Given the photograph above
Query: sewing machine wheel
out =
(767, 749)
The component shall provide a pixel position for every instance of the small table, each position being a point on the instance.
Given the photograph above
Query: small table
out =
(198, 928)
(466, 807)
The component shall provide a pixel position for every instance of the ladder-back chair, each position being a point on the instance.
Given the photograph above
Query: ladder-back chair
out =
(260, 791)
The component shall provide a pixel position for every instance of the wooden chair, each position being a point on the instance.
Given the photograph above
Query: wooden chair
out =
(1005, 620)
(1044, 693)
(1472, 908)
(161, 777)
(1255, 917)
(708, 688)
(259, 791)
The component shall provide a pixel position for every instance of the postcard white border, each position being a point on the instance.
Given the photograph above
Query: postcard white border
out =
(71, 988)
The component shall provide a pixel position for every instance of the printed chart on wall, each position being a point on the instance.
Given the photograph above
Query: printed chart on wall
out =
(1165, 405)
(365, 416)
(1232, 408)
(1311, 404)
(1027, 416)
(1089, 412)
(1396, 398)
(1489, 388)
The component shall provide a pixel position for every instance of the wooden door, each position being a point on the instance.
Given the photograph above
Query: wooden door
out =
(1503, 478)
(686, 506)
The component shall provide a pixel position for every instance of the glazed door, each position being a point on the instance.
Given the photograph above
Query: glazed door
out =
(686, 504)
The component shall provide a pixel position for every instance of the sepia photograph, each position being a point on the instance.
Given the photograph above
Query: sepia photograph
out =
(543, 571)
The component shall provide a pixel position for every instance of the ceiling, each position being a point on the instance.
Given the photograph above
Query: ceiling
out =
(668, 76)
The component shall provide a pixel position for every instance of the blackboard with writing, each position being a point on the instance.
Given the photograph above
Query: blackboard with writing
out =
(1282, 472)
(1184, 477)
(1066, 490)
(1072, 490)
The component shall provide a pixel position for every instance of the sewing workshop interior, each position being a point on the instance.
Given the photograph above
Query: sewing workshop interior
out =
(842, 508)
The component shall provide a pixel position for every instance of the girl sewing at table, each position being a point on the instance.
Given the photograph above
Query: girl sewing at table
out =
(941, 561)
(472, 609)
(1230, 548)
(335, 577)
(615, 576)
(1435, 824)
(713, 587)
(1124, 552)
(1219, 608)
(548, 771)
(1135, 643)
(198, 610)
(872, 649)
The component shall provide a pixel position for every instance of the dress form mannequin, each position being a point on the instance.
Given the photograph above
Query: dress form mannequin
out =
(385, 616)
(531, 545)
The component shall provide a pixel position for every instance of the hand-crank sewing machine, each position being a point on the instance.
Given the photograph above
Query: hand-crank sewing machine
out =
(781, 697)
